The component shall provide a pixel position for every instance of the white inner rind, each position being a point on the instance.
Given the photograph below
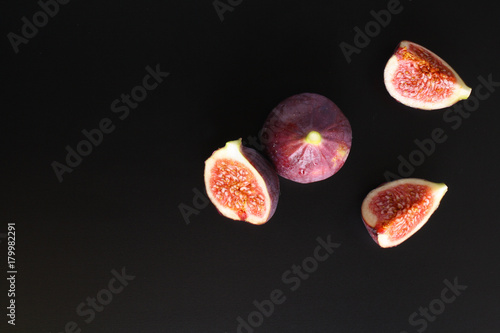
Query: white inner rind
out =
(460, 91)
(232, 151)
(437, 190)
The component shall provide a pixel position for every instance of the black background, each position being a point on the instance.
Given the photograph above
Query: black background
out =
(120, 206)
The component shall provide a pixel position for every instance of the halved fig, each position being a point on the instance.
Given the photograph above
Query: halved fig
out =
(418, 78)
(396, 210)
(307, 138)
(241, 183)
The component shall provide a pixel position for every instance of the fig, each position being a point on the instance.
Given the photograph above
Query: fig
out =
(418, 78)
(396, 210)
(307, 138)
(241, 183)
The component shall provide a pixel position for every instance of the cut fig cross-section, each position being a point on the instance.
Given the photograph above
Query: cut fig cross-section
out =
(396, 210)
(241, 184)
(418, 78)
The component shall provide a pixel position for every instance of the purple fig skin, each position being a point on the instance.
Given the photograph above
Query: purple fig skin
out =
(268, 173)
(285, 136)
(229, 184)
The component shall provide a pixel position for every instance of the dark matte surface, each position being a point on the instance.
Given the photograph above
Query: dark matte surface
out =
(119, 208)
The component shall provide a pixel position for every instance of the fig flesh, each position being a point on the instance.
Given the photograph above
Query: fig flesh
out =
(396, 210)
(418, 78)
(241, 183)
(307, 137)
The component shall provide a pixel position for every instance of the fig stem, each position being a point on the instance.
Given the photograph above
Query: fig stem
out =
(314, 138)
(466, 92)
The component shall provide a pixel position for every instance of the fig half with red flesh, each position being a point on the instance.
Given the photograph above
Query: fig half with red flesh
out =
(418, 78)
(396, 210)
(307, 138)
(241, 183)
